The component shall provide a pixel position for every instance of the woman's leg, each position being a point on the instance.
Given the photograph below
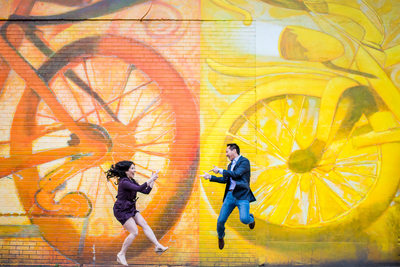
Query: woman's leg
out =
(131, 227)
(148, 232)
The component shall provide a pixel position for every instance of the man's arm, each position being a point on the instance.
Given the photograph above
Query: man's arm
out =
(213, 178)
(243, 167)
(222, 180)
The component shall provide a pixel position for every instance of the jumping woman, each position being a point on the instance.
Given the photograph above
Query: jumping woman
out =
(125, 207)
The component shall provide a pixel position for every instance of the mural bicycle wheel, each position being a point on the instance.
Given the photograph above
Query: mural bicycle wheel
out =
(346, 191)
(133, 105)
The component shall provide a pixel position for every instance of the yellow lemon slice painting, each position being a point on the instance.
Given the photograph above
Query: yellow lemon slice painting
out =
(300, 195)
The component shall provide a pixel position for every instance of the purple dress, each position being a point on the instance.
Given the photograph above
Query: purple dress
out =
(125, 206)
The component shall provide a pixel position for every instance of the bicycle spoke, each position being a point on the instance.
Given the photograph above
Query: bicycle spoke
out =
(286, 202)
(368, 172)
(338, 179)
(89, 84)
(80, 182)
(357, 158)
(146, 111)
(160, 135)
(86, 88)
(275, 196)
(265, 138)
(153, 143)
(306, 124)
(285, 135)
(153, 153)
(358, 163)
(255, 146)
(304, 192)
(281, 121)
(144, 168)
(315, 209)
(328, 197)
(271, 175)
(136, 147)
(129, 71)
(74, 93)
(347, 186)
(276, 187)
(145, 130)
(115, 99)
(299, 120)
(135, 107)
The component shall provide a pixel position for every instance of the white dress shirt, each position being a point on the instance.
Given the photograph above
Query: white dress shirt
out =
(233, 183)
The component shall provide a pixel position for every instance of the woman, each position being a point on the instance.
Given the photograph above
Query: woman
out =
(125, 206)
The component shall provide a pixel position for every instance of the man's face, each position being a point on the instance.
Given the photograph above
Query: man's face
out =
(230, 154)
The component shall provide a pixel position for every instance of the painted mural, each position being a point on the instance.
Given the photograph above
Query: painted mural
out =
(89, 93)
(309, 90)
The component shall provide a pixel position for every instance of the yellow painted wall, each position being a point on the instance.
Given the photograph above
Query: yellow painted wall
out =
(308, 90)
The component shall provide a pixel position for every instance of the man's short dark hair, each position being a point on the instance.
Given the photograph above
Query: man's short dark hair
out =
(234, 146)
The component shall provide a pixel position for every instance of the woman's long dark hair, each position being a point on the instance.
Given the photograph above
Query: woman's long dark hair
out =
(119, 170)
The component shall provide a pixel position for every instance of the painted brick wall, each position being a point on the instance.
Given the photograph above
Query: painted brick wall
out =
(148, 71)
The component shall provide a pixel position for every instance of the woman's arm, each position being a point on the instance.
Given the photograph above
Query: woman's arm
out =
(126, 185)
(147, 190)
(150, 183)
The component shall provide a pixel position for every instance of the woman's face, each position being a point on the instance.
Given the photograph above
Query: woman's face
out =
(131, 172)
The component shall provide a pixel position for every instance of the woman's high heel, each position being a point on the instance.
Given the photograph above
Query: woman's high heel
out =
(121, 259)
(160, 250)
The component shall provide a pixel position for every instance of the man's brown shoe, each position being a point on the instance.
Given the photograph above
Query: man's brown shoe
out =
(251, 225)
(221, 243)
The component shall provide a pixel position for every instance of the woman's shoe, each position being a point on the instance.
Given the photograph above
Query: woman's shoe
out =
(121, 259)
(160, 250)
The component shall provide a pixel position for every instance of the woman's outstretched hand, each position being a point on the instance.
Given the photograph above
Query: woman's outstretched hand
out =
(153, 178)
(154, 175)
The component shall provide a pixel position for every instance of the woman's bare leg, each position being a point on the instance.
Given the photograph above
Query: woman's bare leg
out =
(149, 232)
(131, 227)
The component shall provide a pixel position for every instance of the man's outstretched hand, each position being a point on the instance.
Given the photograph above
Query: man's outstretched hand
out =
(215, 170)
(206, 176)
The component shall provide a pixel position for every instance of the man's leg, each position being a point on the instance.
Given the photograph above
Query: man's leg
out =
(226, 210)
(244, 211)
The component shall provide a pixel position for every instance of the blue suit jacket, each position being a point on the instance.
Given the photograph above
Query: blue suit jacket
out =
(241, 175)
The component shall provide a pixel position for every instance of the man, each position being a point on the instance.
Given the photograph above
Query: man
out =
(237, 190)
